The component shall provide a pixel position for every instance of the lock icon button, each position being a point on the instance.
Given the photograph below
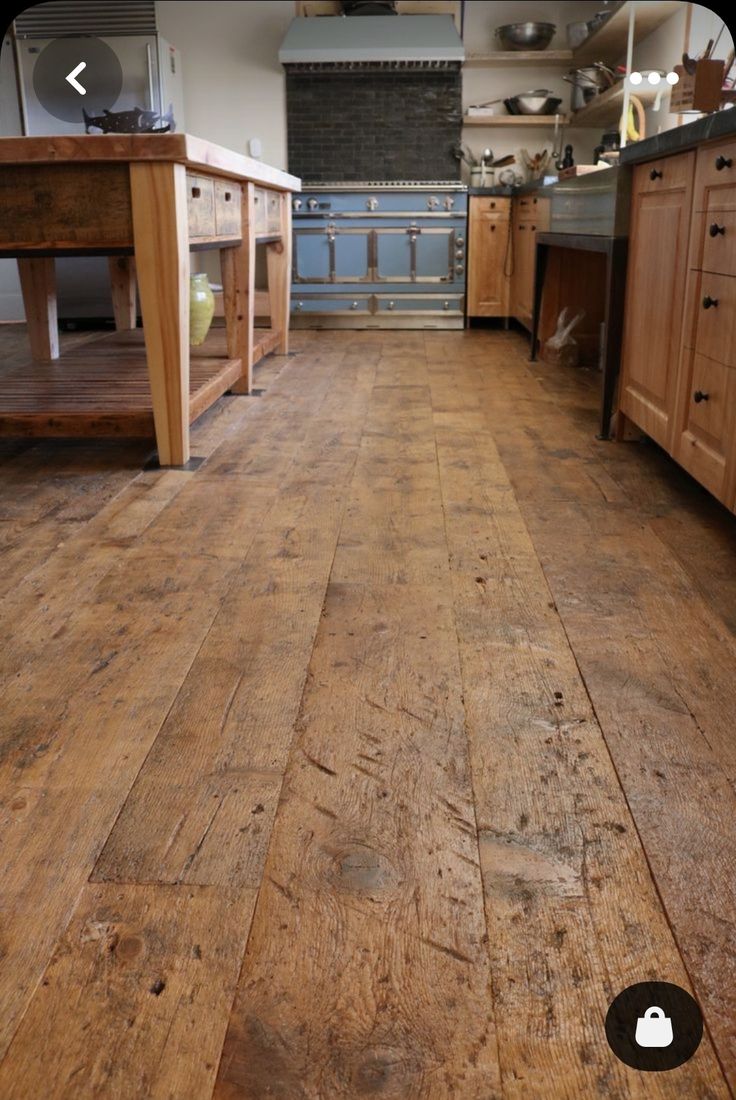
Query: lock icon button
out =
(654, 1029)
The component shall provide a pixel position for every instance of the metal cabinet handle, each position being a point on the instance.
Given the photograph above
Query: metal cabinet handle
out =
(392, 305)
(354, 305)
(708, 302)
(699, 396)
(655, 174)
(723, 162)
(715, 229)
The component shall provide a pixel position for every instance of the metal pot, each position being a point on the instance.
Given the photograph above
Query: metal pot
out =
(539, 102)
(588, 82)
(526, 36)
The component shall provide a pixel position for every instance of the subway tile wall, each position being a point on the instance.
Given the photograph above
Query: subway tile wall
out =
(373, 124)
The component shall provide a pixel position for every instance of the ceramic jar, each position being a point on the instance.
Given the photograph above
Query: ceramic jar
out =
(201, 308)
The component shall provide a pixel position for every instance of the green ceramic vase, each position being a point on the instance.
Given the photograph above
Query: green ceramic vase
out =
(201, 308)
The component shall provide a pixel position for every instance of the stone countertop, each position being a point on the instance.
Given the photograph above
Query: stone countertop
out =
(500, 189)
(719, 124)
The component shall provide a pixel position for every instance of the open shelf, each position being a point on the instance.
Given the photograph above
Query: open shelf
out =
(519, 57)
(605, 109)
(608, 43)
(514, 120)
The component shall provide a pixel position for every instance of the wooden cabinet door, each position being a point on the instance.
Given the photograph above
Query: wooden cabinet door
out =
(524, 239)
(655, 293)
(706, 419)
(488, 257)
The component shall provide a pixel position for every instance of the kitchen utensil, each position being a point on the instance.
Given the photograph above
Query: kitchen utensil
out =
(588, 82)
(539, 102)
(536, 164)
(503, 161)
(526, 36)
(689, 64)
(576, 32)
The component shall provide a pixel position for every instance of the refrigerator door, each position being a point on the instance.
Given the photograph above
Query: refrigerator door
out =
(138, 56)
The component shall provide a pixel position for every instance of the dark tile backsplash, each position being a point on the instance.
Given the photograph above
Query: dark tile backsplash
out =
(382, 125)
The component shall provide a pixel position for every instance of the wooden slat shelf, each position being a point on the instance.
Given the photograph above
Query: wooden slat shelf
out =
(519, 57)
(513, 120)
(101, 388)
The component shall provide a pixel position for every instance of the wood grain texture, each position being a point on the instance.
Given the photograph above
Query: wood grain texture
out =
(123, 287)
(238, 267)
(158, 198)
(38, 286)
(150, 973)
(181, 148)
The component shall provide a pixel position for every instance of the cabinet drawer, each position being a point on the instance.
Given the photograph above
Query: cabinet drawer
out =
(330, 304)
(201, 206)
(273, 212)
(261, 211)
(665, 174)
(715, 241)
(490, 205)
(228, 197)
(716, 168)
(707, 414)
(428, 304)
(711, 330)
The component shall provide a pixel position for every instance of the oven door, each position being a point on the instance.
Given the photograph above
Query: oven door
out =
(415, 254)
(331, 254)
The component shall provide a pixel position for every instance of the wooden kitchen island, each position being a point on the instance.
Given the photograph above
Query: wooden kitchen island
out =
(145, 201)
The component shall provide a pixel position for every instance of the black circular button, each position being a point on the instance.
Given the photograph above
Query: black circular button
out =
(654, 1026)
(75, 73)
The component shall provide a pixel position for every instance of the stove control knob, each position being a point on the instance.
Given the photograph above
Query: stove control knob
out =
(459, 253)
(312, 204)
(459, 268)
(432, 202)
(449, 202)
(459, 240)
(297, 204)
(372, 204)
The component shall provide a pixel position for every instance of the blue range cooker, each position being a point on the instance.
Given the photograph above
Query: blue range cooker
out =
(379, 255)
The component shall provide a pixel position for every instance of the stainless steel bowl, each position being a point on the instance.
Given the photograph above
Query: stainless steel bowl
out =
(533, 103)
(526, 36)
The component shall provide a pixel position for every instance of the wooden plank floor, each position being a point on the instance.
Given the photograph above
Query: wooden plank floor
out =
(373, 757)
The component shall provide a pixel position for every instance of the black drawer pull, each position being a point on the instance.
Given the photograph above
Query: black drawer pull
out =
(228, 196)
(708, 302)
(655, 174)
(493, 229)
(699, 396)
(715, 229)
(723, 162)
(196, 192)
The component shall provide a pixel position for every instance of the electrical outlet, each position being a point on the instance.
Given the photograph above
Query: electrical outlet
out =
(254, 146)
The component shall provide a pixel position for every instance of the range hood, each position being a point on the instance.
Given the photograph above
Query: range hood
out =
(370, 40)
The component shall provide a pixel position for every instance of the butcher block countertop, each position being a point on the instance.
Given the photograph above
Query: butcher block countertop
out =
(180, 148)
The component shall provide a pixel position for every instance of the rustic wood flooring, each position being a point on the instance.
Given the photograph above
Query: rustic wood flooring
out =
(373, 757)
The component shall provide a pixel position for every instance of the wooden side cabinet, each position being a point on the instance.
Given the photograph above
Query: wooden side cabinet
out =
(489, 256)
(530, 216)
(678, 380)
(655, 292)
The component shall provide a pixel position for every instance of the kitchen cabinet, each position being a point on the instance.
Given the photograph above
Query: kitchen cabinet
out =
(489, 257)
(678, 379)
(655, 291)
(530, 216)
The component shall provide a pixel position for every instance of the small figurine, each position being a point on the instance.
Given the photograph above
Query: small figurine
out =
(567, 161)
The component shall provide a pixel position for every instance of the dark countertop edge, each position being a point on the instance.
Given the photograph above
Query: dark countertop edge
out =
(718, 124)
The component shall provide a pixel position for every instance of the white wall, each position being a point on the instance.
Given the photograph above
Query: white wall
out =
(233, 82)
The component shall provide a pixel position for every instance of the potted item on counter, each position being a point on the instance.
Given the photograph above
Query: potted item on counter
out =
(201, 308)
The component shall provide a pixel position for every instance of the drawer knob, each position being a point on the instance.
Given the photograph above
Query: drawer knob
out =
(715, 229)
(708, 302)
(493, 228)
(228, 196)
(723, 162)
(655, 174)
(196, 192)
(354, 305)
(445, 305)
(392, 305)
(699, 396)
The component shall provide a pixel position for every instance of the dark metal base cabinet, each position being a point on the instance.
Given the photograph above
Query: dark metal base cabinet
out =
(376, 256)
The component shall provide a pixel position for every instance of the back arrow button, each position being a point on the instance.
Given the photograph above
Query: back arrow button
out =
(71, 78)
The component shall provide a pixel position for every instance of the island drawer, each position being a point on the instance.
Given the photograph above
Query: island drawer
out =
(228, 199)
(201, 205)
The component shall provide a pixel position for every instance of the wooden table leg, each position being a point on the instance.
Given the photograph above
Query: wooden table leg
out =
(38, 286)
(238, 267)
(123, 285)
(160, 235)
(614, 323)
(279, 278)
(540, 269)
